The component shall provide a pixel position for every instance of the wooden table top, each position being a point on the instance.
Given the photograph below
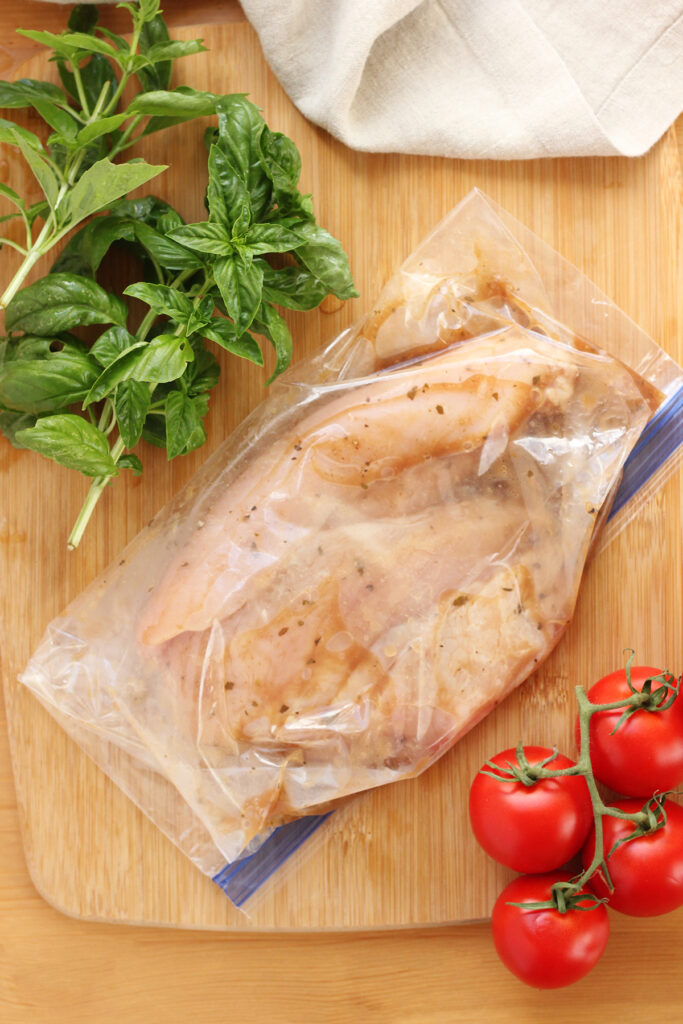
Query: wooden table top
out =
(55, 970)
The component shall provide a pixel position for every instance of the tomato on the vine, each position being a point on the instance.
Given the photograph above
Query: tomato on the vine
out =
(647, 872)
(645, 753)
(546, 948)
(530, 828)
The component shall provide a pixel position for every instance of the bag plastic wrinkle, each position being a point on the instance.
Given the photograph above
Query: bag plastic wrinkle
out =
(383, 550)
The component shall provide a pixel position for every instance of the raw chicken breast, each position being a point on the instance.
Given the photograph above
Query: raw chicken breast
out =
(387, 568)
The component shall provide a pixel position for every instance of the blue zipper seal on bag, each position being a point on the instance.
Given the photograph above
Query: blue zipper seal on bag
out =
(660, 439)
(242, 878)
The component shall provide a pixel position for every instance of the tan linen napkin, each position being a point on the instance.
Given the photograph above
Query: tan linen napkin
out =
(480, 78)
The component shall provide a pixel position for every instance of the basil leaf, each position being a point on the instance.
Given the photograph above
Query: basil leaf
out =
(294, 206)
(71, 441)
(58, 302)
(157, 123)
(174, 303)
(181, 102)
(184, 427)
(324, 257)
(45, 375)
(224, 334)
(26, 91)
(168, 221)
(144, 208)
(42, 172)
(30, 146)
(154, 430)
(282, 160)
(48, 384)
(77, 41)
(59, 119)
(203, 374)
(292, 287)
(131, 404)
(13, 197)
(83, 18)
(168, 254)
(12, 134)
(118, 41)
(241, 287)
(103, 126)
(161, 298)
(121, 367)
(131, 462)
(101, 233)
(240, 127)
(156, 362)
(67, 44)
(227, 193)
(148, 10)
(164, 359)
(104, 182)
(111, 344)
(204, 237)
(173, 50)
(262, 238)
(200, 315)
(274, 327)
(158, 76)
(30, 346)
(87, 248)
(11, 422)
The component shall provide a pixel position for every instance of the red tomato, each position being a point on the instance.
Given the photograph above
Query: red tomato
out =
(531, 828)
(647, 872)
(645, 754)
(545, 948)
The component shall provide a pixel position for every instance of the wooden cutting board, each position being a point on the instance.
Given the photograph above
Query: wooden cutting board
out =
(404, 854)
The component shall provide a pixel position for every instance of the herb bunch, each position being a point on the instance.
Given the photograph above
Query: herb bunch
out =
(210, 281)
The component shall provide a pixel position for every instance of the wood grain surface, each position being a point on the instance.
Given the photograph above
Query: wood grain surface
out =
(404, 854)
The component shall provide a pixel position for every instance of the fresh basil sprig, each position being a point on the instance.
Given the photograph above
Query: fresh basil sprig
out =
(210, 282)
(76, 168)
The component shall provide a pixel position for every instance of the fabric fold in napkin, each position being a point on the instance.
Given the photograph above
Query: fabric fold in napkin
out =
(501, 79)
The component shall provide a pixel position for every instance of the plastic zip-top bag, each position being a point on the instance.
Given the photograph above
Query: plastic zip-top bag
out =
(386, 547)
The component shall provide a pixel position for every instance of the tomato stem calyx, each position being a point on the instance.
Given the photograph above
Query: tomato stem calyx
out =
(650, 819)
(525, 771)
(646, 699)
(564, 897)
